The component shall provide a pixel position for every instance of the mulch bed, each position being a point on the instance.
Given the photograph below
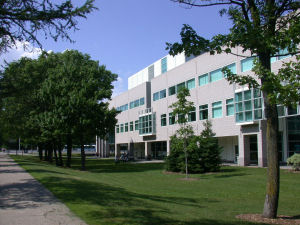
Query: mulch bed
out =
(284, 220)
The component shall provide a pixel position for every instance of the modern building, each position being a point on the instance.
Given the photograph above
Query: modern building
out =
(146, 123)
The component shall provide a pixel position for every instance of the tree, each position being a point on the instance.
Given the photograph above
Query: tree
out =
(57, 98)
(264, 28)
(21, 20)
(181, 110)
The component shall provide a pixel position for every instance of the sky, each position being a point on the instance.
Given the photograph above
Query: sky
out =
(129, 35)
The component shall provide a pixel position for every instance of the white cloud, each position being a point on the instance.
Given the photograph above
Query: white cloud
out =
(19, 51)
(120, 85)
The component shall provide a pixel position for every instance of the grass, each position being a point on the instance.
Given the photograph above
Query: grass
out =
(142, 194)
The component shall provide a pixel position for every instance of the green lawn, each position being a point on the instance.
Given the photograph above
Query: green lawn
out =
(142, 194)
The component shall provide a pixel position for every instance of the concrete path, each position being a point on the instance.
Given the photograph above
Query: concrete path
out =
(24, 201)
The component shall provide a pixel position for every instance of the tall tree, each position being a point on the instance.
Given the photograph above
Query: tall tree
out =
(21, 20)
(57, 98)
(265, 28)
(181, 110)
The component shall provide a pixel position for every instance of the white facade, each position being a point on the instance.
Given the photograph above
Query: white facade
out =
(144, 125)
(143, 76)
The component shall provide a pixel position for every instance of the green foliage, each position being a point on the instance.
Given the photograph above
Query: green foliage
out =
(56, 96)
(203, 153)
(261, 28)
(294, 160)
(181, 109)
(20, 20)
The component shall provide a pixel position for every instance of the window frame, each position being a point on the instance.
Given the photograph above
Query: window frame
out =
(213, 107)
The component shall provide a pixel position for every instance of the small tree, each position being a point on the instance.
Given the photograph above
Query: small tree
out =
(181, 110)
(210, 149)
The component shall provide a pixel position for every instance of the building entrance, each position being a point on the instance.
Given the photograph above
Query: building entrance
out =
(253, 149)
(159, 150)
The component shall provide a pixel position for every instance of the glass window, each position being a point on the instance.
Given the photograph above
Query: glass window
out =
(126, 127)
(190, 84)
(203, 79)
(217, 109)
(117, 128)
(162, 94)
(164, 67)
(131, 126)
(232, 68)
(181, 118)
(171, 119)
(248, 105)
(145, 126)
(131, 105)
(180, 86)
(163, 120)
(142, 101)
(122, 128)
(156, 96)
(136, 125)
(229, 107)
(216, 75)
(292, 110)
(273, 59)
(247, 64)
(282, 52)
(151, 72)
(172, 90)
(192, 115)
(203, 112)
(280, 110)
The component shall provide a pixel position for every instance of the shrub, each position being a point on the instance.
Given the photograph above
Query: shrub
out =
(294, 160)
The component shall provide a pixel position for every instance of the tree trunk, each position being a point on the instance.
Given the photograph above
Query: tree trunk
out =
(69, 150)
(272, 190)
(40, 152)
(82, 156)
(61, 163)
(46, 158)
(186, 159)
(272, 195)
(55, 155)
(50, 153)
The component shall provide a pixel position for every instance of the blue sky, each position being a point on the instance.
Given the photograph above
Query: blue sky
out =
(127, 36)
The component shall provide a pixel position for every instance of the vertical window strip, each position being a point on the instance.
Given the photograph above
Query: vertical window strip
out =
(203, 79)
(229, 107)
(217, 109)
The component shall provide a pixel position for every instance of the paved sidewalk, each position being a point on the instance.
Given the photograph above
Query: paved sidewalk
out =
(24, 201)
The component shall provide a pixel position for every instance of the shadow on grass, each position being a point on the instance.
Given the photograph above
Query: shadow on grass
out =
(117, 205)
(109, 166)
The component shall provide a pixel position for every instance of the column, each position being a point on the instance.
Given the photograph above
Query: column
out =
(244, 150)
(117, 150)
(147, 150)
(168, 148)
(97, 146)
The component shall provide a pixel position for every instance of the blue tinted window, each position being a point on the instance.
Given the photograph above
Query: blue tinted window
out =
(247, 64)
(156, 96)
(190, 84)
(164, 67)
(203, 79)
(162, 94)
(142, 101)
(216, 75)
